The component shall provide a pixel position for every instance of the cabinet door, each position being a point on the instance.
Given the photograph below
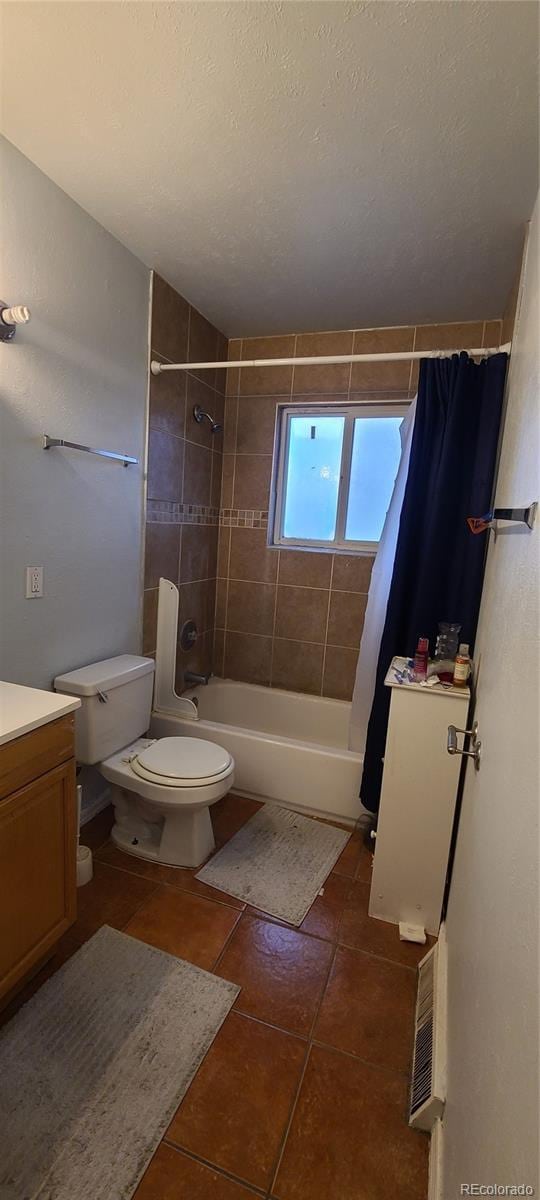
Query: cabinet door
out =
(37, 870)
(418, 800)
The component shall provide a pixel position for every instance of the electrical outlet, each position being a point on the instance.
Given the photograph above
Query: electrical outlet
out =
(34, 583)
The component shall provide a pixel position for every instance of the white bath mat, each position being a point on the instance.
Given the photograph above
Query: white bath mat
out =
(93, 1068)
(278, 862)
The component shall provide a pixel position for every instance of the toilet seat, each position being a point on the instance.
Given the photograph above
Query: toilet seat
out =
(178, 762)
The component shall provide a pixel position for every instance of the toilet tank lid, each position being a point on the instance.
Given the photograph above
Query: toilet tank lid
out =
(102, 676)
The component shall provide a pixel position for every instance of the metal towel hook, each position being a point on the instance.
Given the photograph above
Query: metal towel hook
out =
(453, 748)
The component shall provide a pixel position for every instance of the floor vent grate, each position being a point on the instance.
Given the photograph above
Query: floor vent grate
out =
(428, 1086)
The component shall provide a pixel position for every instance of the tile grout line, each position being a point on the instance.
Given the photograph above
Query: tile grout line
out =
(287, 1130)
(274, 619)
(179, 564)
(185, 396)
(139, 906)
(304, 586)
(328, 398)
(233, 483)
(356, 878)
(260, 915)
(187, 374)
(240, 912)
(325, 644)
(323, 993)
(185, 412)
(298, 642)
(182, 437)
(350, 387)
(188, 338)
(162, 883)
(308, 1039)
(394, 962)
(308, 1055)
(346, 945)
(205, 1162)
(366, 329)
(213, 459)
(301, 1037)
(349, 390)
(342, 916)
(270, 1025)
(301, 1080)
(358, 1058)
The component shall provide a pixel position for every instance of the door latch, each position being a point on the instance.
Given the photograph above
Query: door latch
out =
(476, 745)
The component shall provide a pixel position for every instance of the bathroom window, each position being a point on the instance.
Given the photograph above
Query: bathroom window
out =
(334, 471)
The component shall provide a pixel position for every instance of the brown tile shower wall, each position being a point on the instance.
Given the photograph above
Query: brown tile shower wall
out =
(287, 618)
(184, 473)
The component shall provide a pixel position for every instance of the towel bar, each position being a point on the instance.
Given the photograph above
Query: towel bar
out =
(50, 443)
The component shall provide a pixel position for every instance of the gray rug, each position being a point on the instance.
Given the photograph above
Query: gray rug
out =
(93, 1068)
(278, 861)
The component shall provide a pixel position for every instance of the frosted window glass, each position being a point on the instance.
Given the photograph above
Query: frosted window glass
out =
(312, 481)
(375, 460)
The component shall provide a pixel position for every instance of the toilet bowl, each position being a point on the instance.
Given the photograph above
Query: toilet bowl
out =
(162, 789)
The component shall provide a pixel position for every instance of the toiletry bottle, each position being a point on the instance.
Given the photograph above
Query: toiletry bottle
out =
(421, 660)
(462, 667)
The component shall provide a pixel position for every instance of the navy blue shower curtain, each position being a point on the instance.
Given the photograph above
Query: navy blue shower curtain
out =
(439, 563)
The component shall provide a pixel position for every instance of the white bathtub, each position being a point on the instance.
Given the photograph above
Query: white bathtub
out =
(287, 746)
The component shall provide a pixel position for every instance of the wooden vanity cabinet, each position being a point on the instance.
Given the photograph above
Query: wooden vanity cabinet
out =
(38, 886)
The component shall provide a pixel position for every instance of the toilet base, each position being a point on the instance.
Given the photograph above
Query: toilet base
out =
(181, 839)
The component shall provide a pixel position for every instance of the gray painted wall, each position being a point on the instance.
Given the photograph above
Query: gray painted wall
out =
(491, 1117)
(78, 371)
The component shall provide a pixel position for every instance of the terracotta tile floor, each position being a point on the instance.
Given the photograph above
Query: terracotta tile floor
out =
(303, 1094)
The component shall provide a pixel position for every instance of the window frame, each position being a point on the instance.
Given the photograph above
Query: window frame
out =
(350, 412)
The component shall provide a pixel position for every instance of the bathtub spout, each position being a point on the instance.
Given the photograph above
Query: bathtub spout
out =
(191, 678)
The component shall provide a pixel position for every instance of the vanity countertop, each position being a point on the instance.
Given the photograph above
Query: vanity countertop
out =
(436, 689)
(26, 708)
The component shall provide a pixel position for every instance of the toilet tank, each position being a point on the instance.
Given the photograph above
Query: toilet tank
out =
(116, 701)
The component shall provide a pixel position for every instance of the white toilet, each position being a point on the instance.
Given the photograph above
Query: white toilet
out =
(161, 789)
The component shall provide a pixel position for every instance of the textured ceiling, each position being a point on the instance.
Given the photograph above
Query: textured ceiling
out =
(291, 166)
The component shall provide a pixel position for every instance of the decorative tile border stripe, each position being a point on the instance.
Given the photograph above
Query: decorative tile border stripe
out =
(247, 518)
(171, 512)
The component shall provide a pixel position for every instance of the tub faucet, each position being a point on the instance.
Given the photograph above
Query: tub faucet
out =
(191, 678)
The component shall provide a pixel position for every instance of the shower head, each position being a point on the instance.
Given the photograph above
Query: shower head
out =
(200, 415)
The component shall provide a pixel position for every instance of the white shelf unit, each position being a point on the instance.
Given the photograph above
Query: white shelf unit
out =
(418, 800)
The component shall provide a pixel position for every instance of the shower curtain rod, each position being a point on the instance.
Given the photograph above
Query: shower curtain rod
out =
(321, 360)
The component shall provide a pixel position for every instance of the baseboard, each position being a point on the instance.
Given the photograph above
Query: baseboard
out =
(96, 806)
(303, 809)
(435, 1191)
